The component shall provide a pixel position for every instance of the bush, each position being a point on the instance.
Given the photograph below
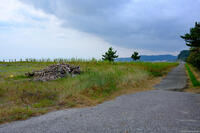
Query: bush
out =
(194, 59)
(1, 92)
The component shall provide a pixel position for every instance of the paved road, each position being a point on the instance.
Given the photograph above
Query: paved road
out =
(157, 111)
(175, 80)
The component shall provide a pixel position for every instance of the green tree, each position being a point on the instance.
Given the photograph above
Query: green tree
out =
(192, 40)
(183, 55)
(194, 59)
(135, 56)
(110, 55)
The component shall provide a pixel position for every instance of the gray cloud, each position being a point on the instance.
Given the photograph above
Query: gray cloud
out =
(145, 24)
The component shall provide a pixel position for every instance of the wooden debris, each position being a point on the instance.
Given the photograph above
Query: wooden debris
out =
(54, 72)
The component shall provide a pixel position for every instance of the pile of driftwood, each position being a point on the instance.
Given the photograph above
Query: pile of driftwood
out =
(54, 72)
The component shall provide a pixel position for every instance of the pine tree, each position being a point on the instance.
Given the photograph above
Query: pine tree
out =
(135, 56)
(192, 39)
(110, 55)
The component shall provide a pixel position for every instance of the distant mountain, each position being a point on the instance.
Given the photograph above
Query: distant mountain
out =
(151, 58)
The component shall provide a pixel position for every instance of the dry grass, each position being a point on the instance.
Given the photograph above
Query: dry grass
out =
(21, 98)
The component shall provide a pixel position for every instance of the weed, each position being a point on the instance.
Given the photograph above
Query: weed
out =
(22, 98)
(193, 79)
(16, 113)
(43, 103)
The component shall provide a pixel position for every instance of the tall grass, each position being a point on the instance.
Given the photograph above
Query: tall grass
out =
(193, 79)
(20, 97)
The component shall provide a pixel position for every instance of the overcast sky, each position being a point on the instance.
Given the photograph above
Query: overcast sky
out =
(87, 28)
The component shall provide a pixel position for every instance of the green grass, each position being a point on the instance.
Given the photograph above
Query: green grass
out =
(193, 79)
(20, 97)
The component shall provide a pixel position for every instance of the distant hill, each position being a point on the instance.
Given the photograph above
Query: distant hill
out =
(151, 58)
(183, 55)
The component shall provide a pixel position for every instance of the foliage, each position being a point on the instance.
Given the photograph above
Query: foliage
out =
(135, 56)
(183, 55)
(194, 59)
(110, 55)
(192, 40)
(192, 76)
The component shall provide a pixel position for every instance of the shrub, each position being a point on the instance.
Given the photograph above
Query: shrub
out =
(194, 59)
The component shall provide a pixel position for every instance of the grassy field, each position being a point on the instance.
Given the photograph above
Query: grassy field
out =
(194, 76)
(21, 98)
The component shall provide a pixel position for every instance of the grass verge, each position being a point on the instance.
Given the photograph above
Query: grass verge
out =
(194, 84)
(193, 79)
(21, 98)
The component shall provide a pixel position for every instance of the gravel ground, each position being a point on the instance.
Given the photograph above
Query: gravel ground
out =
(157, 111)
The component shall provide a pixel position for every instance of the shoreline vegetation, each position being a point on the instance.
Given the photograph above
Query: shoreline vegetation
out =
(22, 98)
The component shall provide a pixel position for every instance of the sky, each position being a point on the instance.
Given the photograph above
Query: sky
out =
(87, 28)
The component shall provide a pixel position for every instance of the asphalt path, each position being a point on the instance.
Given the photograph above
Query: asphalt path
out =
(157, 111)
(175, 80)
